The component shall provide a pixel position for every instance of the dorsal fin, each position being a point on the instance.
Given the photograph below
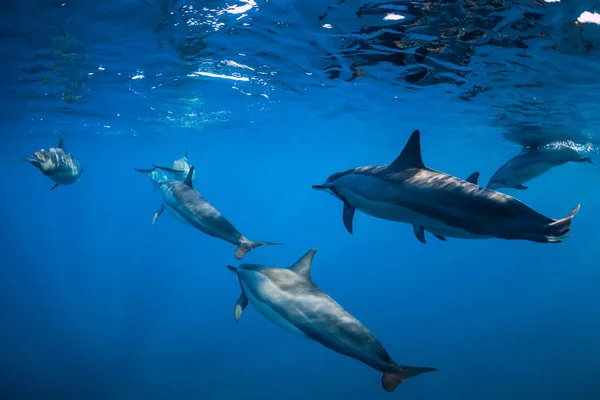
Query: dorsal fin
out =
(185, 155)
(188, 178)
(411, 154)
(473, 178)
(61, 142)
(302, 266)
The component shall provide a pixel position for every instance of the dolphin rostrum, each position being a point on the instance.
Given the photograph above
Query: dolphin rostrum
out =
(289, 298)
(531, 163)
(180, 168)
(187, 205)
(407, 191)
(57, 164)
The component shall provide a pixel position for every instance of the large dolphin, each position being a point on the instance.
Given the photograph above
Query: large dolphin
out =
(187, 205)
(407, 191)
(180, 168)
(531, 163)
(57, 164)
(289, 298)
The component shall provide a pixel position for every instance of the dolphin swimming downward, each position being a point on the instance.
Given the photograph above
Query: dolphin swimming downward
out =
(407, 191)
(57, 164)
(289, 298)
(531, 163)
(187, 205)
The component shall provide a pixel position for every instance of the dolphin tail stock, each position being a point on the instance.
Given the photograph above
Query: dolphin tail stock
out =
(560, 227)
(247, 245)
(391, 380)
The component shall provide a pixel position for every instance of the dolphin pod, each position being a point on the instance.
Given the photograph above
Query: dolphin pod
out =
(531, 163)
(187, 205)
(290, 299)
(408, 191)
(403, 191)
(57, 164)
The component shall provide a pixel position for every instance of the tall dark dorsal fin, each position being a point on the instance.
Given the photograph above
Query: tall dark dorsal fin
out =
(473, 178)
(411, 154)
(188, 178)
(61, 142)
(302, 266)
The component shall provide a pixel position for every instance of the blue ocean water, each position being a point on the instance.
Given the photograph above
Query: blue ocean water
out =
(269, 98)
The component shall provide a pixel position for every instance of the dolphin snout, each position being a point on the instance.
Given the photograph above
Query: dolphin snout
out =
(320, 187)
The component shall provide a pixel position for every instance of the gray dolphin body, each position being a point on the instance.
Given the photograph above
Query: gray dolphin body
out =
(187, 205)
(57, 164)
(289, 298)
(407, 191)
(531, 163)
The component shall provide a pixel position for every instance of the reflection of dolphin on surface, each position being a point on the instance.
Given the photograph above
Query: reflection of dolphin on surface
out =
(407, 191)
(289, 298)
(531, 163)
(57, 164)
(188, 206)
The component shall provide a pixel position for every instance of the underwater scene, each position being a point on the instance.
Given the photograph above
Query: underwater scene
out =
(260, 199)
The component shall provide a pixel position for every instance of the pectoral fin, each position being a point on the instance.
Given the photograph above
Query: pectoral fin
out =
(348, 216)
(419, 233)
(240, 305)
(159, 211)
(55, 186)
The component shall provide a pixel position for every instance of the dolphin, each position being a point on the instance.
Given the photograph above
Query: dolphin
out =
(155, 175)
(57, 164)
(187, 205)
(289, 298)
(531, 163)
(407, 191)
(180, 168)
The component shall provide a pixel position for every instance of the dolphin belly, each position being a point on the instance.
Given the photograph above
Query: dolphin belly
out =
(527, 173)
(63, 177)
(458, 233)
(264, 306)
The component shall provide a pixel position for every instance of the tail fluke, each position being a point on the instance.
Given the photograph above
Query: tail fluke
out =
(391, 380)
(560, 227)
(248, 245)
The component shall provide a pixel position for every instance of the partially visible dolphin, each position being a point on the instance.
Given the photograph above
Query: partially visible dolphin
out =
(187, 205)
(407, 191)
(531, 163)
(57, 164)
(289, 298)
(155, 175)
(180, 168)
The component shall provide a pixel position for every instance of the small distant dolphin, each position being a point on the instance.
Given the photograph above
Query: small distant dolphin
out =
(407, 191)
(531, 163)
(180, 168)
(188, 206)
(57, 164)
(289, 298)
(155, 175)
